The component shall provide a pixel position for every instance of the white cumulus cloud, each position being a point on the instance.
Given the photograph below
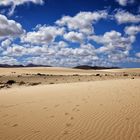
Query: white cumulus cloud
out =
(74, 37)
(125, 17)
(114, 45)
(53, 45)
(132, 30)
(125, 2)
(14, 3)
(6, 43)
(9, 28)
(138, 54)
(43, 35)
(83, 21)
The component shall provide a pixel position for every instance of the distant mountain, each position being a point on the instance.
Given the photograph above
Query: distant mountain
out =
(86, 67)
(8, 66)
(18, 66)
(34, 65)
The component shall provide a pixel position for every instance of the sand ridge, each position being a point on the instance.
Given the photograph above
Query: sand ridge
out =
(100, 110)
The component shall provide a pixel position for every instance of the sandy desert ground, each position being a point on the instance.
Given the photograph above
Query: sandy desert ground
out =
(52, 75)
(102, 105)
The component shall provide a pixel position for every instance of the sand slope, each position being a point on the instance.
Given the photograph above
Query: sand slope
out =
(126, 70)
(101, 110)
(61, 71)
(45, 70)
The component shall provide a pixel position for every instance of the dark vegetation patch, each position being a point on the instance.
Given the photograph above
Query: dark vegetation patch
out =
(97, 74)
(51, 83)
(125, 74)
(34, 84)
(11, 82)
(40, 74)
(132, 78)
(22, 83)
(75, 74)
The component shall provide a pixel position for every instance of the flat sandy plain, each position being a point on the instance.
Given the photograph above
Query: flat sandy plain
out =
(69, 104)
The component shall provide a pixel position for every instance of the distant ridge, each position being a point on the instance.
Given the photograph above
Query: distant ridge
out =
(18, 66)
(34, 65)
(86, 67)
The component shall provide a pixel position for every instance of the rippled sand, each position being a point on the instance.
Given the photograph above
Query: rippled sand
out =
(99, 110)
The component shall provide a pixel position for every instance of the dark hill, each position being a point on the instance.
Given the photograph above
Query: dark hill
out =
(19, 66)
(86, 67)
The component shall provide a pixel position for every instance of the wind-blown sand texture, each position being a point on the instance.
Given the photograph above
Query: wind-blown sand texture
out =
(99, 110)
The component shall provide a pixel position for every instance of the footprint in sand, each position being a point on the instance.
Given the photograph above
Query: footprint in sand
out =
(77, 107)
(88, 96)
(52, 116)
(15, 125)
(68, 124)
(127, 119)
(66, 113)
(84, 99)
(44, 107)
(56, 105)
(71, 118)
(78, 110)
(65, 132)
(73, 109)
(6, 124)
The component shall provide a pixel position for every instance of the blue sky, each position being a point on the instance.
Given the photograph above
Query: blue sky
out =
(70, 33)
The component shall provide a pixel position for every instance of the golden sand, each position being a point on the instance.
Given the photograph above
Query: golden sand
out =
(99, 110)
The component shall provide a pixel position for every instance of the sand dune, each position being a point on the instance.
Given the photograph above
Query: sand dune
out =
(126, 70)
(37, 76)
(45, 70)
(100, 110)
(62, 71)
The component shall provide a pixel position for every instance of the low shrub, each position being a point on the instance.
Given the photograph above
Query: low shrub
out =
(21, 83)
(125, 74)
(97, 74)
(10, 82)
